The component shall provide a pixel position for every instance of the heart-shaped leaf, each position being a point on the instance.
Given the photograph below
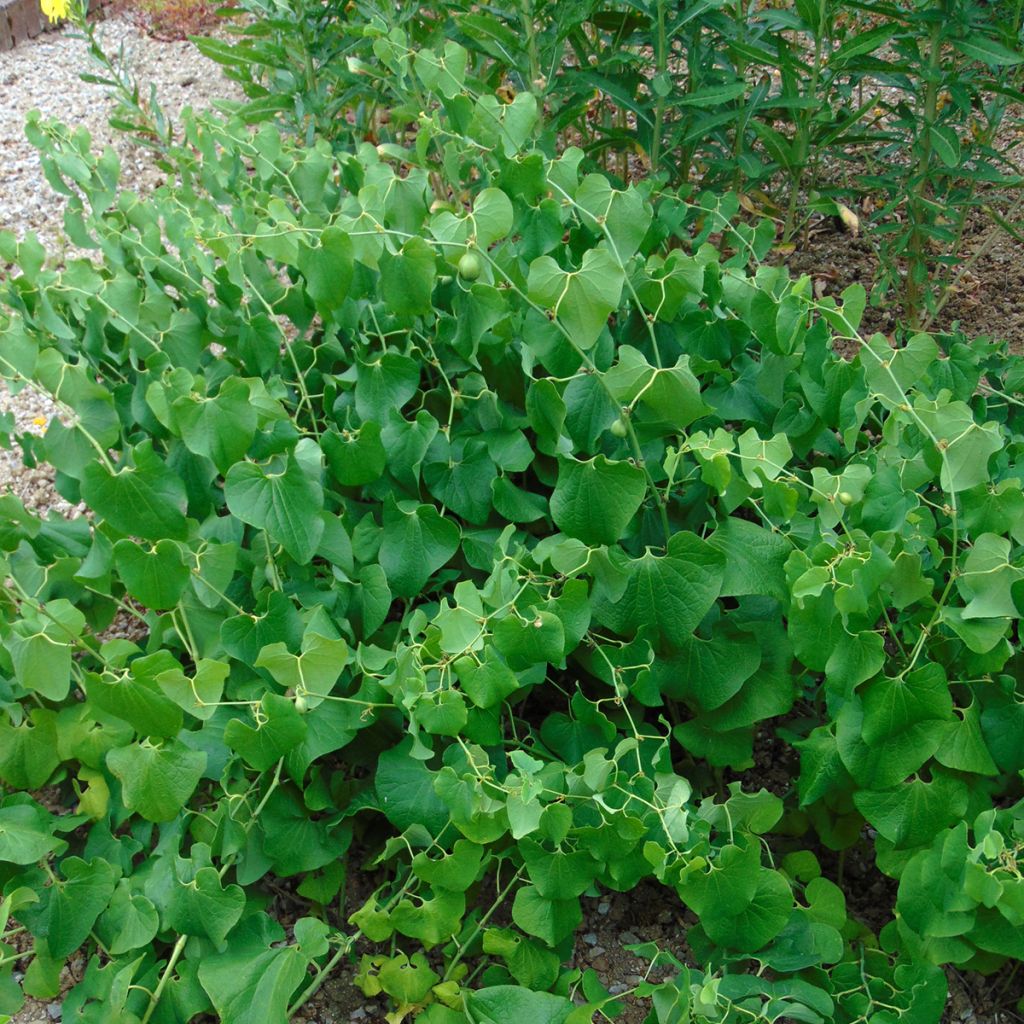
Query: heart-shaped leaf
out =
(281, 499)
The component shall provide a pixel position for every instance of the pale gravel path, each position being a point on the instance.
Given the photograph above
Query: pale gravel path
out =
(43, 74)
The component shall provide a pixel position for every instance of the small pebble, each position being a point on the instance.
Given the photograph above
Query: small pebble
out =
(54, 1011)
(628, 938)
(590, 939)
(617, 989)
(603, 907)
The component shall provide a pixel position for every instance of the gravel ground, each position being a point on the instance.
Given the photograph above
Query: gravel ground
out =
(43, 74)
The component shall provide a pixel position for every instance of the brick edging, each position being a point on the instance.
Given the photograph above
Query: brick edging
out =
(22, 19)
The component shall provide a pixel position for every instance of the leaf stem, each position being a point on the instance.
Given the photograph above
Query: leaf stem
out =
(165, 977)
(321, 976)
(482, 923)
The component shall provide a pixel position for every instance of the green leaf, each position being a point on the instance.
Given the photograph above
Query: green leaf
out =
(327, 268)
(664, 400)
(594, 501)
(508, 1004)
(157, 781)
(441, 713)
(135, 696)
(621, 216)
(978, 635)
(444, 73)
(220, 428)
(515, 504)
(28, 751)
(25, 836)
(528, 962)
(894, 706)
(761, 459)
(896, 725)
(200, 694)
(964, 748)
(962, 446)
(146, 500)
(581, 300)
(460, 477)
(492, 216)
(280, 499)
(407, 278)
(547, 412)
(754, 559)
(707, 673)
(250, 982)
(41, 663)
(487, 683)
(890, 372)
(549, 919)
(987, 577)
(295, 842)
(945, 143)
(506, 124)
(670, 283)
(759, 921)
(355, 459)
(384, 385)
(245, 635)
(558, 875)
(73, 904)
(728, 885)
(417, 542)
(157, 576)
(374, 599)
(432, 921)
(311, 674)
(803, 943)
(669, 594)
(279, 728)
(711, 97)
(456, 871)
(215, 568)
(913, 813)
(589, 410)
(200, 905)
(329, 727)
(988, 51)
(405, 791)
(406, 980)
(531, 641)
(129, 922)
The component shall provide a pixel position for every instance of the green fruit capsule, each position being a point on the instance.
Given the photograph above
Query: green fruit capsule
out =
(301, 704)
(845, 498)
(470, 266)
(619, 428)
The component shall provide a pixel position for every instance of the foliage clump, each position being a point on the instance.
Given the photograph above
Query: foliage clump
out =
(484, 533)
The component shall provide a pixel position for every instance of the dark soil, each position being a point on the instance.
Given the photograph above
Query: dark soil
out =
(986, 302)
